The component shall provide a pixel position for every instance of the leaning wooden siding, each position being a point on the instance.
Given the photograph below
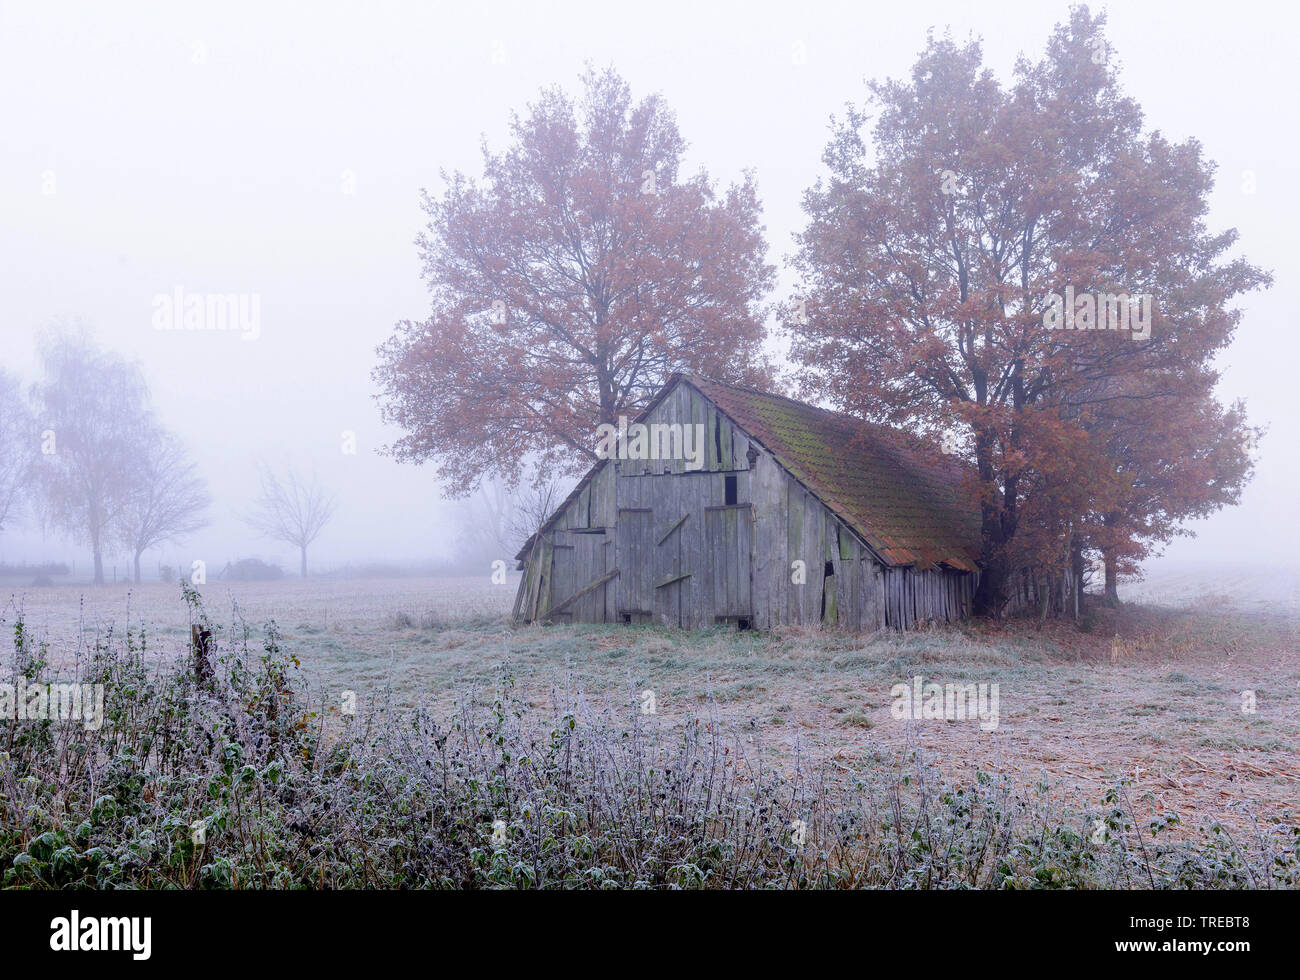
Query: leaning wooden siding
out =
(653, 541)
(909, 596)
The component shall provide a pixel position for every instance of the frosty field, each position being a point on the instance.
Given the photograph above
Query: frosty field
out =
(1195, 703)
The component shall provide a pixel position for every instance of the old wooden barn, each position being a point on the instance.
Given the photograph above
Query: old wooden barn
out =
(788, 514)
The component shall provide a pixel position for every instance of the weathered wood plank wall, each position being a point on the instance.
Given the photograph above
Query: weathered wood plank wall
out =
(674, 546)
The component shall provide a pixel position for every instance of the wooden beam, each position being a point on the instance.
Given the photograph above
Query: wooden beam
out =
(592, 587)
(676, 524)
(676, 578)
(528, 610)
(542, 587)
(519, 595)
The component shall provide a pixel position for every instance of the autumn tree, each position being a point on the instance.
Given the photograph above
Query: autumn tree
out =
(1063, 475)
(290, 509)
(567, 284)
(19, 447)
(1184, 457)
(167, 496)
(93, 413)
(929, 264)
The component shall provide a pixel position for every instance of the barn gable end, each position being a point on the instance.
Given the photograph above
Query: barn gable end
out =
(784, 523)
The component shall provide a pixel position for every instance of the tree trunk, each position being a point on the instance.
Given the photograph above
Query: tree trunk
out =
(1076, 570)
(304, 561)
(1112, 580)
(997, 522)
(991, 594)
(137, 568)
(99, 562)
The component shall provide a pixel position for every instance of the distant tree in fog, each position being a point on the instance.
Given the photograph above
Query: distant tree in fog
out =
(532, 507)
(19, 447)
(484, 533)
(289, 510)
(92, 408)
(498, 519)
(568, 285)
(167, 498)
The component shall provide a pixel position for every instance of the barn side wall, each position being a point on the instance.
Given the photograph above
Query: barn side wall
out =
(653, 541)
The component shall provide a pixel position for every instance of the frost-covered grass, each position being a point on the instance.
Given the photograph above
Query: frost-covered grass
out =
(1158, 714)
(245, 775)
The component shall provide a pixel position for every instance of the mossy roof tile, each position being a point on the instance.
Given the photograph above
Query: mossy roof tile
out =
(907, 500)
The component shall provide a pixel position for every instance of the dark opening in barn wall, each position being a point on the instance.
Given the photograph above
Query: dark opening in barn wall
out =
(829, 605)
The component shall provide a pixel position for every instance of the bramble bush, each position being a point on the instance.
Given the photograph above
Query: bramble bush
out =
(230, 774)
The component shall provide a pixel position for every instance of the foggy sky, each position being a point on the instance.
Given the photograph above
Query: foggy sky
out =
(213, 149)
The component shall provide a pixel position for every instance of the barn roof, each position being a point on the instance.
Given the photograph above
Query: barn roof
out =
(905, 499)
(898, 492)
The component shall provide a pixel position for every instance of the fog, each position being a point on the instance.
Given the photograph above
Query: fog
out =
(278, 150)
